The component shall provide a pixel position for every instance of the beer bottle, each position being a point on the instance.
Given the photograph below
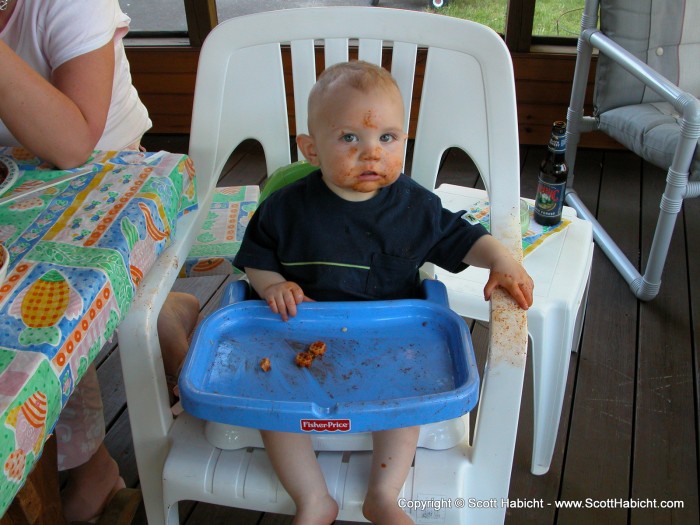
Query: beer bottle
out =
(552, 179)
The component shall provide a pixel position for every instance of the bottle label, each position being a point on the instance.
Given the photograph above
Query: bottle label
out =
(550, 199)
(557, 143)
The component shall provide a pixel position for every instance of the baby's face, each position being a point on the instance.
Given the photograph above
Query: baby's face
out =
(359, 141)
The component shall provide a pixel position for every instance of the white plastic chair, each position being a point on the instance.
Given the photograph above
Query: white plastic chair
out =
(240, 94)
(645, 97)
(561, 269)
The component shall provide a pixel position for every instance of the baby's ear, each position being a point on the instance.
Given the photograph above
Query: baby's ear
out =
(307, 146)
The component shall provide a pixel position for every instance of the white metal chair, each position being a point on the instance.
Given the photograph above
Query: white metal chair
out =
(645, 97)
(240, 94)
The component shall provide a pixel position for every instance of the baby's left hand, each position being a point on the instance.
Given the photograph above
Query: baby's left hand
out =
(512, 277)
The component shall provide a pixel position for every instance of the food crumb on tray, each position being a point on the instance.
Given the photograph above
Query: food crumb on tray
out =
(265, 364)
(317, 348)
(314, 350)
(304, 359)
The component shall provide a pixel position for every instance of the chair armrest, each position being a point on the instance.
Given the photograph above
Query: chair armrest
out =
(235, 292)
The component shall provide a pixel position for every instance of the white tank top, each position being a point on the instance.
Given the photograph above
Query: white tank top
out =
(48, 33)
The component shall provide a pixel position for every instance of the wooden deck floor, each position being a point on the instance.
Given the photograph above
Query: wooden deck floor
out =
(629, 428)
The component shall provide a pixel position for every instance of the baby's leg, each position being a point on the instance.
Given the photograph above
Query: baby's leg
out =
(294, 461)
(393, 455)
(176, 323)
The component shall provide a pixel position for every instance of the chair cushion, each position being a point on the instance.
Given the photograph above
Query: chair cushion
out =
(285, 175)
(650, 130)
(222, 232)
(665, 35)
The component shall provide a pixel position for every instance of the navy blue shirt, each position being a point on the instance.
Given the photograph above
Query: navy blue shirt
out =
(338, 250)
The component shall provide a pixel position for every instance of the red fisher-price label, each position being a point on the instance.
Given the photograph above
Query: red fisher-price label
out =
(324, 425)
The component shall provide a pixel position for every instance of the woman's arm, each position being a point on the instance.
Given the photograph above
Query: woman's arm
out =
(62, 121)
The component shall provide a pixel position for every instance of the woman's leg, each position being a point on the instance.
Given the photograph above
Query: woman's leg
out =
(92, 474)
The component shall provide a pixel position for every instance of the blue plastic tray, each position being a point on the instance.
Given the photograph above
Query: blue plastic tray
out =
(388, 364)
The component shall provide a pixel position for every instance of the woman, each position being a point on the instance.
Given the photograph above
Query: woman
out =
(65, 90)
(66, 87)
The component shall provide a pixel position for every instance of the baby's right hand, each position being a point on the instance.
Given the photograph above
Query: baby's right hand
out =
(283, 298)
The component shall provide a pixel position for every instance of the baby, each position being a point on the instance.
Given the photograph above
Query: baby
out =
(358, 229)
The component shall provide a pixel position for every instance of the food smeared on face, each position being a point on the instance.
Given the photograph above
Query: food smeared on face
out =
(368, 120)
(356, 136)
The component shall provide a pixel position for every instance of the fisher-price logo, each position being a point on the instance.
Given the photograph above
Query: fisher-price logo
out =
(325, 425)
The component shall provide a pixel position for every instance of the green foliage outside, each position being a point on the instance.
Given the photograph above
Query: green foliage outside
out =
(552, 17)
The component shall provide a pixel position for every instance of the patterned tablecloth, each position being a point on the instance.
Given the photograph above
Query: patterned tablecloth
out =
(78, 250)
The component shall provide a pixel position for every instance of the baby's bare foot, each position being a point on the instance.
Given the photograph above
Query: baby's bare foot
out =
(322, 511)
(384, 510)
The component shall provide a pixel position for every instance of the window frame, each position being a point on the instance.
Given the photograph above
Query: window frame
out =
(201, 17)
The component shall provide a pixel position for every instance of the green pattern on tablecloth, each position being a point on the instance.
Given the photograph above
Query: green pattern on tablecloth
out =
(222, 231)
(77, 252)
(17, 462)
(109, 261)
(6, 356)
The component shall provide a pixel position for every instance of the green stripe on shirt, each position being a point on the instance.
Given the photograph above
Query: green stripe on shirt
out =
(325, 263)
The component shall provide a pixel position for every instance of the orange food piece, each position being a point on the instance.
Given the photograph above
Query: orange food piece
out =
(317, 348)
(265, 364)
(304, 359)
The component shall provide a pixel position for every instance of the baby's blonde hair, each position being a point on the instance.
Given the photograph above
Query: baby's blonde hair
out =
(357, 74)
